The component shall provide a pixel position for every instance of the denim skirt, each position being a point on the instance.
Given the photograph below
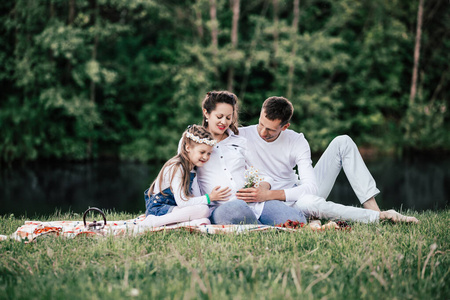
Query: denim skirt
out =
(159, 204)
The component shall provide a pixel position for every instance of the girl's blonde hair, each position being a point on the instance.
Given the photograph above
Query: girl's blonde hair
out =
(181, 160)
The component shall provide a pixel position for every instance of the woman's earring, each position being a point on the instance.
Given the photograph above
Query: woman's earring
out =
(206, 120)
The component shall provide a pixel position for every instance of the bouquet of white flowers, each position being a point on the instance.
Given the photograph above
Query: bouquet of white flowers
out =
(252, 178)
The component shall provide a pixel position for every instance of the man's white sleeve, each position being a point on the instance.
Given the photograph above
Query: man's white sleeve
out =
(308, 182)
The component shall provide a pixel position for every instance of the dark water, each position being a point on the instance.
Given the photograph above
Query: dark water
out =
(415, 183)
(42, 188)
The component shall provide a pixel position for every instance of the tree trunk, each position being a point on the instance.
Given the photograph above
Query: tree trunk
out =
(249, 61)
(275, 32)
(52, 10)
(234, 40)
(94, 57)
(412, 95)
(295, 22)
(92, 85)
(214, 35)
(214, 26)
(198, 20)
(71, 17)
(94, 49)
(235, 24)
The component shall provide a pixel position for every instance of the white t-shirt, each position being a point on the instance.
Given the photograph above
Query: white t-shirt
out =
(278, 158)
(226, 168)
(178, 193)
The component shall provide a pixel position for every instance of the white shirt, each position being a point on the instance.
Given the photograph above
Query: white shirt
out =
(180, 198)
(226, 168)
(278, 158)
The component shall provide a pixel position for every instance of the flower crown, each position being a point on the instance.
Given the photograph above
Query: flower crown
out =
(199, 140)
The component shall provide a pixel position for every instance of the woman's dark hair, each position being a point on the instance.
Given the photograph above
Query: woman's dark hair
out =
(210, 101)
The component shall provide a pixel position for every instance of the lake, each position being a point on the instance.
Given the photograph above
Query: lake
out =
(42, 188)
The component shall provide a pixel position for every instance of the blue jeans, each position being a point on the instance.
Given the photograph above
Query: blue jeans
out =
(276, 212)
(238, 212)
(233, 212)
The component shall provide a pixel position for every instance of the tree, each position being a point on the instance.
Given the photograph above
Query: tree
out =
(106, 78)
(295, 22)
(416, 53)
(234, 40)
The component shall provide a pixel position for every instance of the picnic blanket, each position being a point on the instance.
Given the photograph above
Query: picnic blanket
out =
(33, 230)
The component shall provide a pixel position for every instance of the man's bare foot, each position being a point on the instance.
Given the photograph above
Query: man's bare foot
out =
(397, 217)
(371, 204)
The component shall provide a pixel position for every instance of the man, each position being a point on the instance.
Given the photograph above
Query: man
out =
(277, 150)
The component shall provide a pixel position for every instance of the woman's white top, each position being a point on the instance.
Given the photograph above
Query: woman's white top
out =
(226, 168)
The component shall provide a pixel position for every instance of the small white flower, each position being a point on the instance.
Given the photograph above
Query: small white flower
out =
(252, 178)
(134, 292)
(200, 141)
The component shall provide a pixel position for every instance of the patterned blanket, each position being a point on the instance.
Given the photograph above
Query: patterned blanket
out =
(33, 230)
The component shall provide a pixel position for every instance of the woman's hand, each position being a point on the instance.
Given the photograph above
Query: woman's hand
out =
(219, 194)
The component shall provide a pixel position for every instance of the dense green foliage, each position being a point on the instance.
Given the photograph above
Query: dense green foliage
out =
(83, 79)
(378, 261)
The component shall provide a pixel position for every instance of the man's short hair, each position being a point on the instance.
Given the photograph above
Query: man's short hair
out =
(278, 108)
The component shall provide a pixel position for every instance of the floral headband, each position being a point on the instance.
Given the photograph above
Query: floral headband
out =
(199, 140)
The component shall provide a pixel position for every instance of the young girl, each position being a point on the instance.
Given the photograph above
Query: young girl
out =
(168, 200)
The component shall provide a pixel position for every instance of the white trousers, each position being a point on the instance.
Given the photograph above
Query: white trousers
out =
(342, 153)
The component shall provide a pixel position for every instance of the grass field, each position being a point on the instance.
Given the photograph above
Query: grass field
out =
(378, 261)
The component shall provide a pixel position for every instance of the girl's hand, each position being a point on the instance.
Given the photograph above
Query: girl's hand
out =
(219, 194)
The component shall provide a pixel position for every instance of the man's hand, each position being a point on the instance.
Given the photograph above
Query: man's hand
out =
(259, 194)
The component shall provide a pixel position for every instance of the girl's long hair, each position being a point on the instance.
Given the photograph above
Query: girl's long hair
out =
(181, 160)
(212, 98)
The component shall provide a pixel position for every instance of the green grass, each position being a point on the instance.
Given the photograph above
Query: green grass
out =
(378, 261)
